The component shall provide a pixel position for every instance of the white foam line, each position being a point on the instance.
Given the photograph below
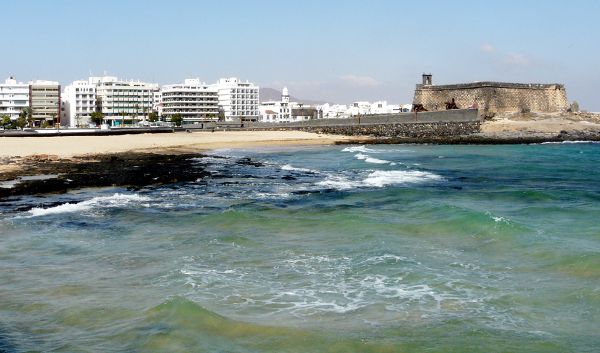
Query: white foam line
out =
(115, 200)
(289, 167)
(370, 159)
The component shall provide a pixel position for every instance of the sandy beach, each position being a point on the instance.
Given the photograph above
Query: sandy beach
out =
(14, 150)
(70, 146)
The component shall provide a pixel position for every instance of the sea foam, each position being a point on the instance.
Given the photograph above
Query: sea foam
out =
(381, 178)
(289, 167)
(116, 200)
(362, 149)
(369, 159)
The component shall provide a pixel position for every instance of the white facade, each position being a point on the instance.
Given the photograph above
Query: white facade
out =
(14, 97)
(124, 101)
(238, 100)
(193, 100)
(334, 111)
(276, 111)
(157, 103)
(79, 103)
(337, 111)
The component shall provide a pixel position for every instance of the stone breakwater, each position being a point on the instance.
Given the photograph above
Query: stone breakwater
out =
(406, 130)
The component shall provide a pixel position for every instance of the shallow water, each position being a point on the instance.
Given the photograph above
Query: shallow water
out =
(378, 248)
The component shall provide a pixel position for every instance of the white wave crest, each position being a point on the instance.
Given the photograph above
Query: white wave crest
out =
(116, 200)
(338, 182)
(369, 159)
(362, 149)
(569, 142)
(289, 167)
(381, 178)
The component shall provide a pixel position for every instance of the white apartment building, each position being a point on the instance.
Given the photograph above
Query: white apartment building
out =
(276, 111)
(157, 103)
(238, 100)
(79, 103)
(14, 97)
(123, 102)
(195, 101)
(45, 102)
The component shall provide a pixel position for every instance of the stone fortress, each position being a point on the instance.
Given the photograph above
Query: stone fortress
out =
(491, 97)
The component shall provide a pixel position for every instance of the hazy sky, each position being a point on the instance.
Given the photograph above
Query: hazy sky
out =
(339, 51)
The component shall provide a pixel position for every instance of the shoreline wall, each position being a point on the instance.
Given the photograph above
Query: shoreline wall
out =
(456, 115)
(411, 125)
(409, 130)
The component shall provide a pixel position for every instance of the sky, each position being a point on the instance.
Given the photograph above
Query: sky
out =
(336, 51)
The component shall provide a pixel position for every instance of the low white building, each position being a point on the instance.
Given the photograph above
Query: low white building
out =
(195, 101)
(338, 111)
(238, 101)
(359, 108)
(14, 97)
(334, 111)
(276, 111)
(79, 103)
(382, 107)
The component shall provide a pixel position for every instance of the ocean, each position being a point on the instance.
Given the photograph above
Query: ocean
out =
(379, 248)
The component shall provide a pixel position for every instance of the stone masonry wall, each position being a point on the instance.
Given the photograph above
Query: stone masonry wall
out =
(494, 97)
(411, 130)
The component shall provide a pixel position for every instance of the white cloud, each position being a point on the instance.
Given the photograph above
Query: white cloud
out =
(517, 59)
(360, 81)
(488, 48)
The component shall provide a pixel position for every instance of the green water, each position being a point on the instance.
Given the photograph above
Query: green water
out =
(328, 249)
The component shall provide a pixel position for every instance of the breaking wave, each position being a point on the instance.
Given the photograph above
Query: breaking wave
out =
(380, 178)
(369, 159)
(289, 167)
(362, 149)
(116, 200)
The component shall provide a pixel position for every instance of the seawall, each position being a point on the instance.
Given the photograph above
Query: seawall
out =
(410, 125)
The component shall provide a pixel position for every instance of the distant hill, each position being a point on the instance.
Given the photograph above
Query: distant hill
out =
(271, 94)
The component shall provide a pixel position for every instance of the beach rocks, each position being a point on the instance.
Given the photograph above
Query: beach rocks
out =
(125, 169)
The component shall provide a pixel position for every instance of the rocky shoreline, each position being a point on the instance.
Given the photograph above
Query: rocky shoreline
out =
(487, 139)
(47, 174)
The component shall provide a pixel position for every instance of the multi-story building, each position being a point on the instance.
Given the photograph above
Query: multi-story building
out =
(45, 103)
(123, 102)
(157, 103)
(193, 100)
(14, 97)
(238, 100)
(79, 103)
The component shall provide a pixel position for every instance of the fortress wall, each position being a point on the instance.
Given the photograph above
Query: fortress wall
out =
(494, 97)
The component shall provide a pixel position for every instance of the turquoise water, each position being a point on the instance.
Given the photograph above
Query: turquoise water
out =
(316, 249)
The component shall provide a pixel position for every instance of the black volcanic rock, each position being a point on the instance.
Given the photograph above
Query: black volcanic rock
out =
(124, 169)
